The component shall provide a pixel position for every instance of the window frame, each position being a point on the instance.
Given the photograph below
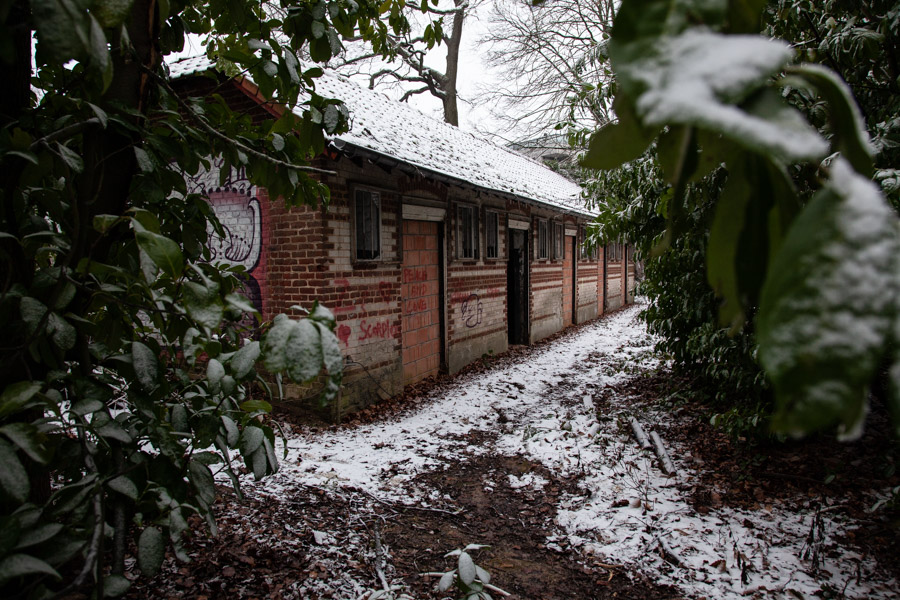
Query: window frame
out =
(359, 234)
(471, 236)
(543, 239)
(488, 230)
(558, 237)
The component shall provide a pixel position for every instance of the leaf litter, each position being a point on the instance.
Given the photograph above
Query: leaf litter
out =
(533, 454)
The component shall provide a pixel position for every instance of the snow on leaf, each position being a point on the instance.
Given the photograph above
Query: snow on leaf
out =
(829, 304)
(467, 570)
(446, 581)
(699, 78)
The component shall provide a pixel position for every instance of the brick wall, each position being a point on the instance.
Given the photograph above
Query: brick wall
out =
(588, 288)
(476, 289)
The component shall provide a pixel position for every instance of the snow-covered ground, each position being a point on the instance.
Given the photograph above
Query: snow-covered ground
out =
(626, 510)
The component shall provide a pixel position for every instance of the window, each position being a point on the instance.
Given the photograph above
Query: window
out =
(491, 234)
(614, 252)
(558, 238)
(467, 232)
(368, 225)
(588, 251)
(543, 239)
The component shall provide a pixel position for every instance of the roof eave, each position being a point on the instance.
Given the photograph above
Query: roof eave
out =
(391, 161)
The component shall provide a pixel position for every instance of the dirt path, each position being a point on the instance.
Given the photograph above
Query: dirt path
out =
(533, 456)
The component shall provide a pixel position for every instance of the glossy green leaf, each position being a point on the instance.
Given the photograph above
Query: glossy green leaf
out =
(20, 565)
(699, 78)
(151, 551)
(124, 486)
(251, 440)
(850, 137)
(203, 482)
(113, 431)
(164, 252)
(14, 481)
(146, 366)
(466, 568)
(231, 431)
(145, 163)
(115, 586)
(620, 142)
(62, 28)
(38, 535)
(70, 157)
(294, 347)
(254, 406)
(16, 396)
(29, 439)
(244, 360)
(214, 373)
(103, 223)
(819, 348)
(33, 312)
(111, 13)
(258, 463)
(203, 304)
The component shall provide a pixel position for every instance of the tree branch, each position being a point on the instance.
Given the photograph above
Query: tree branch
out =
(218, 134)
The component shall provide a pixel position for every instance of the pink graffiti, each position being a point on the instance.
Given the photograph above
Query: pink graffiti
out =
(418, 305)
(415, 275)
(382, 329)
(343, 333)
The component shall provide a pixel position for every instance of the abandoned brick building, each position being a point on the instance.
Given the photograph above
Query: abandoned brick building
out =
(437, 247)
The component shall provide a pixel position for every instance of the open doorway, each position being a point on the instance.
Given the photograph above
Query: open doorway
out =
(517, 287)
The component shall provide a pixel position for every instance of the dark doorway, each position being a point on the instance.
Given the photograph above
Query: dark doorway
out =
(517, 287)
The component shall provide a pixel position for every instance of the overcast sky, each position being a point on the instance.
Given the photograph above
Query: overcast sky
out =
(473, 74)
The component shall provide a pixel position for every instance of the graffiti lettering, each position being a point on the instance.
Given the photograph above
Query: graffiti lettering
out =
(379, 330)
(418, 289)
(472, 311)
(415, 275)
(418, 305)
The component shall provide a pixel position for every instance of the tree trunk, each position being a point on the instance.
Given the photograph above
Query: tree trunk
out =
(451, 112)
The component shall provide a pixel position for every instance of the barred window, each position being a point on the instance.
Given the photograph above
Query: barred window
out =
(367, 214)
(491, 234)
(543, 239)
(467, 232)
(558, 238)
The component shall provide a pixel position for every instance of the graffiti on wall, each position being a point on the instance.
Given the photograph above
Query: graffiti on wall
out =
(365, 328)
(472, 311)
(235, 204)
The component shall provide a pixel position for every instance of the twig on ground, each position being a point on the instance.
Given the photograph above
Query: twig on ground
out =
(401, 507)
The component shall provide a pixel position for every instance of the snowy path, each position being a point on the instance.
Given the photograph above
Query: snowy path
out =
(625, 510)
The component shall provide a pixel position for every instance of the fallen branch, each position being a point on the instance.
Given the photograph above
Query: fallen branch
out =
(669, 554)
(640, 435)
(379, 559)
(667, 465)
(396, 506)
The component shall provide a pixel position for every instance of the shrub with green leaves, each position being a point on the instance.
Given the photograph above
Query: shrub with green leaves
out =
(471, 581)
(129, 383)
(800, 239)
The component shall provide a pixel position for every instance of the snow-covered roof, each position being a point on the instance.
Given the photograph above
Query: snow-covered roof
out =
(399, 131)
